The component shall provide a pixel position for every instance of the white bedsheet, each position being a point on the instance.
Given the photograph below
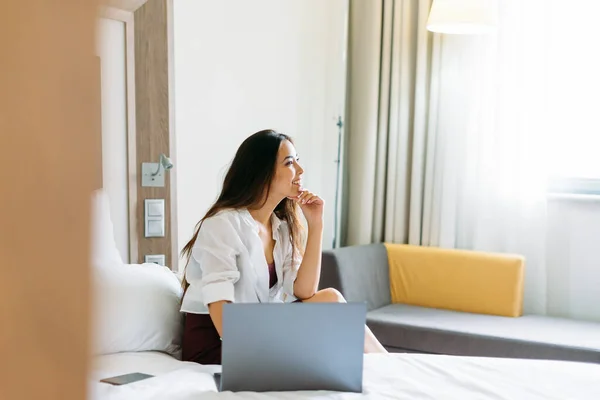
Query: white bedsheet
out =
(395, 376)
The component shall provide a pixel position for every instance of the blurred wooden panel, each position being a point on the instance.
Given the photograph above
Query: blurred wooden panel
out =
(49, 136)
(98, 123)
(127, 5)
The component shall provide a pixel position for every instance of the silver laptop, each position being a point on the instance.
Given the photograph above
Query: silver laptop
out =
(289, 347)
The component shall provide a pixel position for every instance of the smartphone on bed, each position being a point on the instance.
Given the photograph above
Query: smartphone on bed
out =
(127, 378)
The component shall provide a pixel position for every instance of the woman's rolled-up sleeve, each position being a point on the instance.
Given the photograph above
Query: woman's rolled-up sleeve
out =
(215, 272)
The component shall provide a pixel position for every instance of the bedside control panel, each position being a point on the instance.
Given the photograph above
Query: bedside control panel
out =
(154, 217)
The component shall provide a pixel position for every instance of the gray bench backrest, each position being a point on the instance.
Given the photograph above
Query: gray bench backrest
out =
(360, 273)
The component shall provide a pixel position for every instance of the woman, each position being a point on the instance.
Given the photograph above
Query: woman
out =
(247, 248)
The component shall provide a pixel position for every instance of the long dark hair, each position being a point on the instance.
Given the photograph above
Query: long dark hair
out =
(247, 184)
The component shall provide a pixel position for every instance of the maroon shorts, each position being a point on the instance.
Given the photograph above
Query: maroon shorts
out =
(201, 340)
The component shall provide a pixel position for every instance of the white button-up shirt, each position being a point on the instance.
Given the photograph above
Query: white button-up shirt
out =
(228, 263)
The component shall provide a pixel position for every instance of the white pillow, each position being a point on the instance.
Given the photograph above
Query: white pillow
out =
(136, 308)
(104, 248)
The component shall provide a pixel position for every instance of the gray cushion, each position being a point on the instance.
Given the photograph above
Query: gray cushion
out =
(361, 273)
(429, 330)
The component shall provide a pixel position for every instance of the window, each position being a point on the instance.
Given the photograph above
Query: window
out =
(573, 95)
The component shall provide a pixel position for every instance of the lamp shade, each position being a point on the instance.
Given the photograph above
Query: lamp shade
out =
(463, 16)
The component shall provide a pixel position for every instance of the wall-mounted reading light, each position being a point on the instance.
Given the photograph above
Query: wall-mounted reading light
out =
(153, 174)
(164, 162)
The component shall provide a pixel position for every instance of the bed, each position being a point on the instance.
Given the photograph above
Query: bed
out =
(394, 376)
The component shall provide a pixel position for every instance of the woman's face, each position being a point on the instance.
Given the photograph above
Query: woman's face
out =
(287, 181)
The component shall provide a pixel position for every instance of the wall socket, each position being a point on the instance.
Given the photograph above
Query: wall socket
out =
(155, 258)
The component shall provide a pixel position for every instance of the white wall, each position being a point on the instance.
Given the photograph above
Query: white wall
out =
(574, 257)
(111, 49)
(243, 66)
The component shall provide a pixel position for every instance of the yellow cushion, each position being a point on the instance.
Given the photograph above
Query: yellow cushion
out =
(457, 280)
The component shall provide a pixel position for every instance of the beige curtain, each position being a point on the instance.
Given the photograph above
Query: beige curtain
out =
(446, 134)
(391, 145)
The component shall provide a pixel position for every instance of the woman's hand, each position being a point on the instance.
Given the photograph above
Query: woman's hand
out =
(307, 280)
(312, 207)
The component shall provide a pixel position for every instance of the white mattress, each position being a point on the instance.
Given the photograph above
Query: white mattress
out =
(149, 362)
(394, 376)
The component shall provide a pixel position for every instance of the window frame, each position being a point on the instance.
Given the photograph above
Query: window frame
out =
(578, 186)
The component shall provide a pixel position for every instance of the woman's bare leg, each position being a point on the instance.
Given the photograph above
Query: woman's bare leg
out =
(331, 295)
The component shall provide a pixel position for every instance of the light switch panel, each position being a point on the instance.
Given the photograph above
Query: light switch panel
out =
(155, 209)
(155, 228)
(154, 217)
